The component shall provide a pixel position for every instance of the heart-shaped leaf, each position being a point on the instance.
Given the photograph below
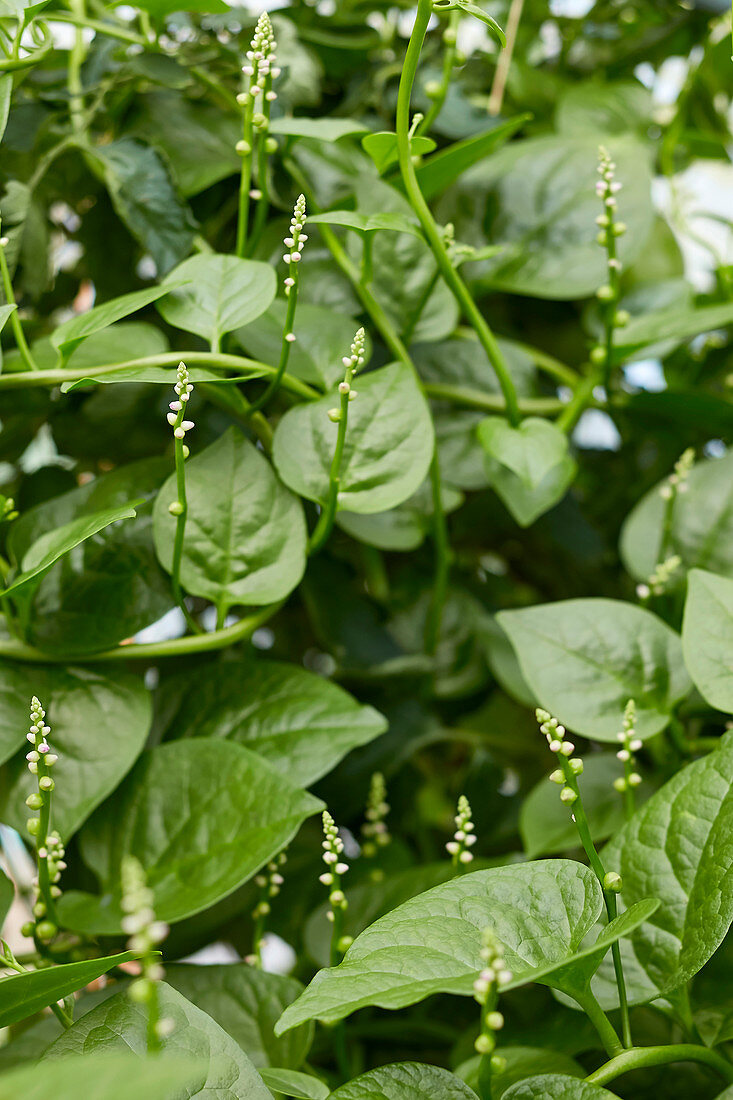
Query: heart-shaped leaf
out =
(707, 637)
(301, 723)
(405, 1081)
(382, 148)
(71, 333)
(221, 293)
(22, 995)
(389, 444)
(194, 860)
(111, 1076)
(528, 466)
(555, 1086)
(584, 659)
(289, 1082)
(245, 533)
(120, 1023)
(368, 223)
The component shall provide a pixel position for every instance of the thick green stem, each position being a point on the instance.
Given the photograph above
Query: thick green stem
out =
(76, 60)
(419, 205)
(641, 1057)
(17, 327)
(601, 1023)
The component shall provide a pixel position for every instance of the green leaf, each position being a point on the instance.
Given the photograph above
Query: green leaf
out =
(86, 710)
(675, 325)
(5, 312)
(49, 548)
(546, 824)
(288, 1082)
(119, 1022)
(317, 129)
(246, 1003)
(239, 813)
(439, 171)
(368, 223)
(478, 13)
(323, 337)
(115, 344)
(518, 1064)
(528, 466)
(404, 527)
(388, 449)
(71, 333)
(112, 585)
(101, 1077)
(584, 659)
(161, 8)
(245, 533)
(22, 995)
(707, 637)
(161, 376)
(697, 525)
(604, 108)
(679, 847)
(146, 201)
(555, 1086)
(405, 1081)
(7, 893)
(382, 148)
(222, 294)
(302, 724)
(432, 943)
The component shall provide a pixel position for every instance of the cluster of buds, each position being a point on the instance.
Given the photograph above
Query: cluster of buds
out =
(607, 187)
(259, 71)
(352, 363)
(268, 883)
(677, 481)
(50, 851)
(374, 831)
(177, 408)
(493, 975)
(145, 934)
(464, 837)
(570, 766)
(333, 847)
(294, 243)
(630, 744)
(8, 510)
(660, 578)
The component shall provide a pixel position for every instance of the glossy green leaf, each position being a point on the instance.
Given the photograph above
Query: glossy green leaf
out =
(115, 344)
(22, 995)
(196, 137)
(161, 8)
(54, 545)
(245, 533)
(87, 708)
(389, 443)
(5, 312)
(439, 171)
(323, 337)
(518, 1064)
(119, 1023)
(405, 1081)
(288, 1082)
(603, 108)
(674, 325)
(584, 659)
(382, 148)
(404, 527)
(112, 585)
(301, 723)
(161, 376)
(239, 814)
(101, 1077)
(529, 466)
(246, 1003)
(696, 525)
(678, 847)
(432, 943)
(555, 1086)
(143, 195)
(318, 129)
(368, 223)
(70, 334)
(707, 637)
(7, 893)
(222, 294)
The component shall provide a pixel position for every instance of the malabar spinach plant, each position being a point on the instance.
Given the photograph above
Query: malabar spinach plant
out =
(364, 424)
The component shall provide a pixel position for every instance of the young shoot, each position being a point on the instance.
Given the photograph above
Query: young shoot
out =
(659, 580)
(333, 847)
(256, 99)
(677, 480)
(339, 416)
(375, 833)
(268, 883)
(179, 508)
(630, 744)
(145, 934)
(294, 243)
(464, 837)
(493, 975)
(566, 776)
(608, 295)
(49, 848)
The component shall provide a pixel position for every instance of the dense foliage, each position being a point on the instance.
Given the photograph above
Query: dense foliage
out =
(364, 413)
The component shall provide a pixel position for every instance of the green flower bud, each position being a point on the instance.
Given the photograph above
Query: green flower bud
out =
(433, 88)
(484, 1044)
(34, 801)
(46, 930)
(618, 229)
(271, 145)
(612, 881)
(33, 825)
(621, 317)
(605, 293)
(598, 355)
(28, 929)
(334, 415)
(176, 508)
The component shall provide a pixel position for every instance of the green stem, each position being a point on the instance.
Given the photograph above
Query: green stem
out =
(181, 529)
(274, 383)
(76, 60)
(449, 60)
(151, 651)
(578, 403)
(328, 513)
(25, 351)
(419, 205)
(601, 1023)
(442, 561)
(641, 1057)
(245, 176)
(412, 320)
(263, 202)
(491, 402)
(153, 1006)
